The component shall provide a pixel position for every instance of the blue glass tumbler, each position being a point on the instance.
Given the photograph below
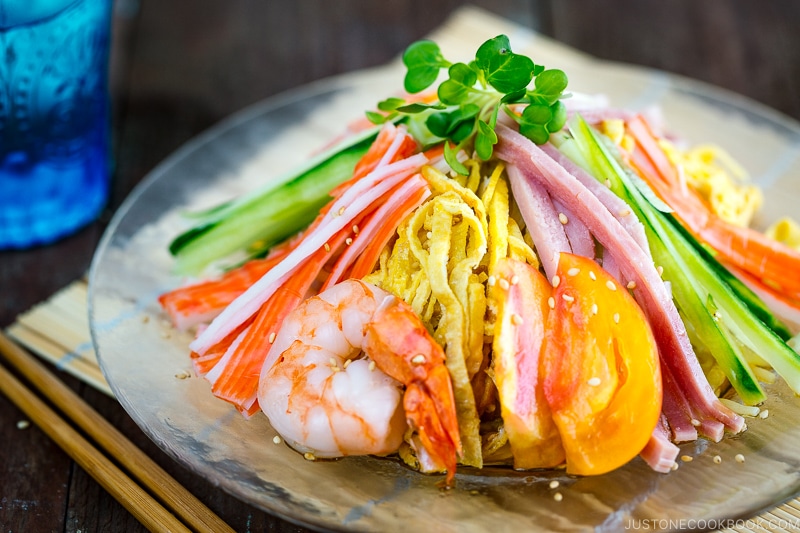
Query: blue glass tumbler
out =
(54, 118)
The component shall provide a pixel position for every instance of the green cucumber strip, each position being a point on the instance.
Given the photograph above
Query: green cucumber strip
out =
(271, 214)
(695, 280)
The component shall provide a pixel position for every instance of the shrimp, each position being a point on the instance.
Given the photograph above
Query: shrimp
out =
(332, 383)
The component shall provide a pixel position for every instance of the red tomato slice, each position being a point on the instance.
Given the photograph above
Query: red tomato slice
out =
(520, 294)
(601, 370)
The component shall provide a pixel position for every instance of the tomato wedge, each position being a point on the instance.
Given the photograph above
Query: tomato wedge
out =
(520, 295)
(602, 378)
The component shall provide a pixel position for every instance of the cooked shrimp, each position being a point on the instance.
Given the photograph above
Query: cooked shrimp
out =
(332, 383)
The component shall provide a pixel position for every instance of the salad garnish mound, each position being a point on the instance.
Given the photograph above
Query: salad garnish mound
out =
(490, 271)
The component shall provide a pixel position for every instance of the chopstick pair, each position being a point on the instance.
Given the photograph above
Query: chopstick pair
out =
(183, 512)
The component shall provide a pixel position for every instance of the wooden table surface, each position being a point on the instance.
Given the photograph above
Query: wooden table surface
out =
(179, 67)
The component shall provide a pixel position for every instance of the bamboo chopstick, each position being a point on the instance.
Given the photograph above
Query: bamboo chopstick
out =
(184, 504)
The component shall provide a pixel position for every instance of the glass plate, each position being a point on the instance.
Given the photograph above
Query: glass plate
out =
(146, 362)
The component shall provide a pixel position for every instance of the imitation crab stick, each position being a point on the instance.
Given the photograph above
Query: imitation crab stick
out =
(770, 261)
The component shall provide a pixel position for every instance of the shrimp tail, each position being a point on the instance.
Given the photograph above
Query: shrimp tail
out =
(402, 348)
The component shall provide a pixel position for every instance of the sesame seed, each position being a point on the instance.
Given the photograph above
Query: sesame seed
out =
(611, 285)
(23, 424)
(717, 459)
(371, 365)
(594, 309)
(592, 276)
(514, 279)
(341, 210)
(308, 456)
(272, 337)
(556, 281)
(763, 414)
(686, 458)
(616, 318)
(491, 281)
(551, 302)
(631, 285)
(429, 235)
(504, 284)
(739, 458)
(674, 466)
(660, 270)
(568, 298)
(554, 484)
(348, 241)
(563, 219)
(333, 361)
(625, 212)
(608, 183)
(558, 497)
(347, 363)
(327, 247)
(573, 272)
(516, 319)
(418, 359)
(593, 382)
(276, 439)
(355, 229)
(182, 375)
(695, 422)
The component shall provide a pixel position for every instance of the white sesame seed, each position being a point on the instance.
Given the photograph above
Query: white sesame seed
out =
(625, 212)
(355, 229)
(504, 284)
(23, 424)
(660, 270)
(418, 359)
(554, 484)
(717, 460)
(429, 235)
(341, 210)
(551, 302)
(608, 183)
(556, 281)
(568, 298)
(516, 319)
(593, 382)
(491, 281)
(272, 337)
(594, 309)
(563, 219)
(347, 363)
(739, 458)
(631, 285)
(611, 285)
(276, 439)
(695, 422)
(674, 466)
(327, 247)
(333, 361)
(573, 272)
(348, 241)
(592, 276)
(514, 279)
(764, 413)
(686, 458)
(182, 375)
(616, 318)
(558, 497)
(308, 456)
(371, 365)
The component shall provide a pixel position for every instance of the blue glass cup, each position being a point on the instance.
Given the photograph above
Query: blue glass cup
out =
(54, 118)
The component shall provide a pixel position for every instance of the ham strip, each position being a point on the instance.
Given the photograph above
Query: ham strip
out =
(534, 165)
(580, 240)
(541, 219)
(615, 205)
(660, 453)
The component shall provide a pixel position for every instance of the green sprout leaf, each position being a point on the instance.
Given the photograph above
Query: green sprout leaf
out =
(423, 59)
(450, 154)
(485, 140)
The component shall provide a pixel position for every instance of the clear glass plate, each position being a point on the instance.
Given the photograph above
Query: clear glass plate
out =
(144, 359)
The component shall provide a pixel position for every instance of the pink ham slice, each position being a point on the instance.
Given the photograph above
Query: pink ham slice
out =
(534, 165)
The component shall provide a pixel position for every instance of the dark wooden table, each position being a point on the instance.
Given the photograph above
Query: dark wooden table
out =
(180, 66)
